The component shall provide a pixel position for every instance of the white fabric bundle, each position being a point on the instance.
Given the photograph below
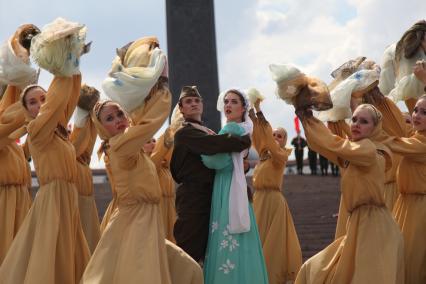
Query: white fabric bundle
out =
(254, 95)
(80, 117)
(342, 93)
(289, 80)
(13, 70)
(59, 46)
(397, 80)
(130, 86)
(239, 216)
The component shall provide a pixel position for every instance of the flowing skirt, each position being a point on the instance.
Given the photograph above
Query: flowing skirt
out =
(131, 249)
(15, 201)
(89, 220)
(370, 252)
(231, 258)
(281, 247)
(50, 247)
(168, 213)
(410, 214)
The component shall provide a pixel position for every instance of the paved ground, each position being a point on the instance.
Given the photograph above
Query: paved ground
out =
(312, 199)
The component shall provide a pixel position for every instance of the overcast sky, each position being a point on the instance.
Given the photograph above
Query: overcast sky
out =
(317, 36)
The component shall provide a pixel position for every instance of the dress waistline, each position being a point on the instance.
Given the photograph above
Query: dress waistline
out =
(367, 204)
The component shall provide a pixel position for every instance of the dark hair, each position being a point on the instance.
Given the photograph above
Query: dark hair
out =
(410, 41)
(243, 101)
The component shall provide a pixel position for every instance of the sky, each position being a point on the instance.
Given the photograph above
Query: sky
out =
(316, 36)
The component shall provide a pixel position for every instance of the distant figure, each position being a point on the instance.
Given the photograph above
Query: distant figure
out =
(323, 165)
(299, 143)
(334, 169)
(313, 158)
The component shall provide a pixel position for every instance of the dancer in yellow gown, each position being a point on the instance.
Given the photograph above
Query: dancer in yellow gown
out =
(132, 248)
(410, 208)
(83, 138)
(371, 251)
(50, 247)
(15, 176)
(281, 247)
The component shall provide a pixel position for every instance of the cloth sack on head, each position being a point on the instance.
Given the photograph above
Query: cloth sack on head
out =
(59, 46)
(130, 82)
(239, 217)
(13, 70)
(341, 95)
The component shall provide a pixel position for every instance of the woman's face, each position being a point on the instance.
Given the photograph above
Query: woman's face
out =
(362, 124)
(149, 146)
(279, 137)
(34, 99)
(233, 107)
(419, 115)
(113, 119)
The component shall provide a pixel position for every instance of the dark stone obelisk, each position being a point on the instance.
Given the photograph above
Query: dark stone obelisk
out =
(191, 47)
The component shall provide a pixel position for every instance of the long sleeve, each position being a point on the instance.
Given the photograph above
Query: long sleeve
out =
(217, 161)
(10, 96)
(11, 119)
(339, 128)
(203, 144)
(263, 140)
(148, 119)
(84, 140)
(161, 150)
(42, 128)
(335, 148)
(413, 148)
(393, 120)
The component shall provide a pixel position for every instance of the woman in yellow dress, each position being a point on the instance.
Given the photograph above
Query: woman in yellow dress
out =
(83, 137)
(410, 208)
(281, 247)
(15, 176)
(161, 155)
(50, 246)
(371, 251)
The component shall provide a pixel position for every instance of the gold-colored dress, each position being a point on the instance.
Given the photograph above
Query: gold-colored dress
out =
(281, 247)
(372, 249)
(161, 157)
(410, 208)
(132, 247)
(50, 246)
(83, 140)
(15, 176)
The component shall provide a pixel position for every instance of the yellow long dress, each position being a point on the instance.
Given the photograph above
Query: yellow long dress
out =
(161, 157)
(50, 246)
(15, 176)
(84, 140)
(132, 247)
(410, 208)
(281, 247)
(372, 249)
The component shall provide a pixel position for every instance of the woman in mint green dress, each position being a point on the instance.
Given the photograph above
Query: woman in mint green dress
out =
(234, 251)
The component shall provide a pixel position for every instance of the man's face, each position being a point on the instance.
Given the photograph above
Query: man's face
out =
(191, 107)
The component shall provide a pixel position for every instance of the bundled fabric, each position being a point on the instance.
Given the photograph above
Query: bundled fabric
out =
(134, 72)
(59, 46)
(355, 85)
(15, 67)
(297, 89)
(254, 95)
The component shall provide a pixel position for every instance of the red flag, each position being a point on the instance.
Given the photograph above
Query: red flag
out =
(296, 124)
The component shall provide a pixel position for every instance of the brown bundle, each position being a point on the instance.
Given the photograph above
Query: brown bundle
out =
(21, 41)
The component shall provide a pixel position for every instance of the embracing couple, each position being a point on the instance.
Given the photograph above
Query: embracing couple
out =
(215, 220)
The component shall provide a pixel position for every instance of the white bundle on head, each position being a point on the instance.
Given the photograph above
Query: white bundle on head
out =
(13, 70)
(341, 94)
(130, 86)
(289, 80)
(59, 46)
